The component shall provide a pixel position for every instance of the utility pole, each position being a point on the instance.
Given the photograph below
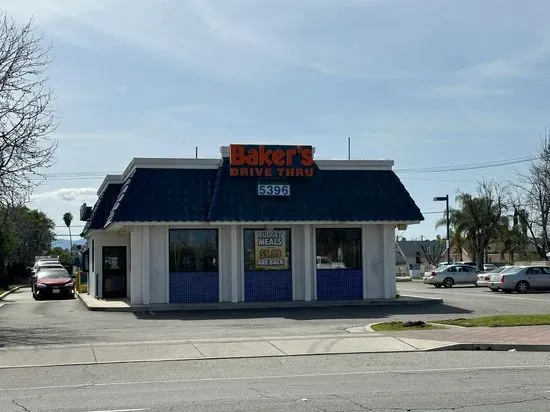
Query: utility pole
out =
(448, 221)
(349, 148)
(196, 152)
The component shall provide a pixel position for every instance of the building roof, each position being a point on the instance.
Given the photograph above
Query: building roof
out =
(102, 207)
(210, 194)
(165, 195)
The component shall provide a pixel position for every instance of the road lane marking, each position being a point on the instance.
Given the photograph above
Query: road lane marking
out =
(492, 295)
(290, 376)
(120, 410)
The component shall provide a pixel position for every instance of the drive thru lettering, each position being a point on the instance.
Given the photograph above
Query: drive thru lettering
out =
(271, 161)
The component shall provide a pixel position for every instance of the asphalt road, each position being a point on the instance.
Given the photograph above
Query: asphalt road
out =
(27, 322)
(484, 381)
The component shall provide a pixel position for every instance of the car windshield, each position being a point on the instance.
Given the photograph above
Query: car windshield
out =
(498, 270)
(512, 269)
(53, 274)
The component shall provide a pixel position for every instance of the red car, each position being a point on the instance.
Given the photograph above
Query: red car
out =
(52, 282)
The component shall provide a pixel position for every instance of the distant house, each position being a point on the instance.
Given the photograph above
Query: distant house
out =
(409, 252)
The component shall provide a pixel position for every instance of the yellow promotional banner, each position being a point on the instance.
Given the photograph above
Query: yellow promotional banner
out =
(270, 249)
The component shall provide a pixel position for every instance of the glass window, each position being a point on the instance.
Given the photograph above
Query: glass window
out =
(92, 252)
(267, 249)
(193, 250)
(338, 248)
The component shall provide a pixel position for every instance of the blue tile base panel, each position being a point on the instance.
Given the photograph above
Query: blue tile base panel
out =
(339, 284)
(194, 287)
(268, 286)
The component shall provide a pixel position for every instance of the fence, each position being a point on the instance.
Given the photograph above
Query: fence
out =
(537, 263)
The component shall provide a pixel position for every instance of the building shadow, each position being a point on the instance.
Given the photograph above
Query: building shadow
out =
(313, 313)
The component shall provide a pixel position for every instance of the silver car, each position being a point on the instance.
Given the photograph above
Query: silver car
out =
(522, 279)
(484, 278)
(452, 275)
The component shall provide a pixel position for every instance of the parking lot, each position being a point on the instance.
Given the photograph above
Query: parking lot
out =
(480, 300)
(28, 322)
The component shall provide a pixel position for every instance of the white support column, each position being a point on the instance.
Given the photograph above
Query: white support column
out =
(374, 262)
(390, 287)
(294, 264)
(146, 264)
(136, 264)
(314, 261)
(309, 262)
(365, 258)
(235, 256)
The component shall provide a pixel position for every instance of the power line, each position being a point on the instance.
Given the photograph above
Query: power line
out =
(71, 226)
(82, 175)
(471, 166)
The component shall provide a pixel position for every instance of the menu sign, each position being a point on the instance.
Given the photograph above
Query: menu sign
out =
(270, 250)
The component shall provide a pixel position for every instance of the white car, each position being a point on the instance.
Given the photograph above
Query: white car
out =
(324, 262)
(488, 267)
(449, 276)
(484, 278)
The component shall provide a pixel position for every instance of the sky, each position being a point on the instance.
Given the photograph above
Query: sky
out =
(427, 83)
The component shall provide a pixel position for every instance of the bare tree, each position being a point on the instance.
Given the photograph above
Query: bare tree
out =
(433, 251)
(26, 117)
(531, 202)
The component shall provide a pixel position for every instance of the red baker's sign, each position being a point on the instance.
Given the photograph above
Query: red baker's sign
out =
(270, 161)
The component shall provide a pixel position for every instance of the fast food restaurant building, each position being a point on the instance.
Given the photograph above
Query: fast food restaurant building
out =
(260, 224)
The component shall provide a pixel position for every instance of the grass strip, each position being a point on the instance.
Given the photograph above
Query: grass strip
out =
(397, 326)
(500, 321)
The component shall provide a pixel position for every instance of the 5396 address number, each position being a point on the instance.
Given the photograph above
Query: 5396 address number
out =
(273, 189)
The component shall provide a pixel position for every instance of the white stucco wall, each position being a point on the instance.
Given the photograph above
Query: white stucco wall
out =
(148, 257)
(100, 239)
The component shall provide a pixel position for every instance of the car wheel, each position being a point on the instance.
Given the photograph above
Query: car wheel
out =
(448, 282)
(522, 287)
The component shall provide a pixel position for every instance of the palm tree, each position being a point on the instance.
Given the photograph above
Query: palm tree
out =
(458, 239)
(68, 218)
(481, 219)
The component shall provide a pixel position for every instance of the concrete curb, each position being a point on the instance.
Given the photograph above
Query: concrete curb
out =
(211, 358)
(403, 279)
(401, 301)
(497, 347)
(6, 293)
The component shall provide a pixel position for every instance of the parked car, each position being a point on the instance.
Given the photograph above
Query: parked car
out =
(52, 282)
(523, 279)
(467, 262)
(324, 262)
(44, 260)
(495, 277)
(449, 276)
(487, 267)
(47, 265)
(484, 278)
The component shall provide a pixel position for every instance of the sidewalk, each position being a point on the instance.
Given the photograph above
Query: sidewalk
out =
(514, 335)
(100, 353)
(122, 305)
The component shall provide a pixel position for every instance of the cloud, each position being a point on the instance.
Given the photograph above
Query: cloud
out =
(471, 91)
(82, 194)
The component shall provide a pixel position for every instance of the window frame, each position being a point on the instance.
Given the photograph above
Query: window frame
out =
(343, 229)
(186, 267)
